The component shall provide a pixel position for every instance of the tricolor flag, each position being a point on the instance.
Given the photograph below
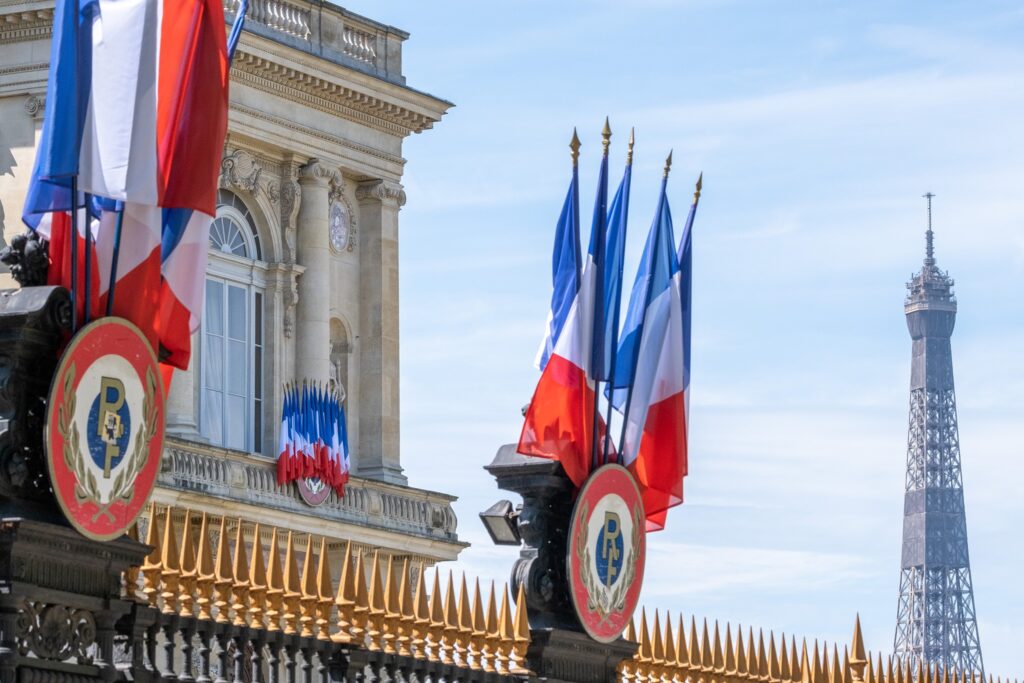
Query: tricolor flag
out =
(651, 353)
(136, 111)
(565, 266)
(314, 438)
(559, 421)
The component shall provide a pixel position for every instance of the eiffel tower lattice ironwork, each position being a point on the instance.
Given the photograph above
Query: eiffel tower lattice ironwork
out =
(935, 618)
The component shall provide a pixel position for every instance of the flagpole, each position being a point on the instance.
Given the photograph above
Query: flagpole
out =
(113, 261)
(606, 141)
(615, 316)
(87, 200)
(74, 252)
(647, 302)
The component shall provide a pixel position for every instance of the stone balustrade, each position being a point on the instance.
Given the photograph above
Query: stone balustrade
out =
(251, 479)
(327, 31)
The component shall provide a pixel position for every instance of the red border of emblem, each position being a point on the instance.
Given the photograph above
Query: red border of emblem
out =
(608, 480)
(100, 338)
(308, 496)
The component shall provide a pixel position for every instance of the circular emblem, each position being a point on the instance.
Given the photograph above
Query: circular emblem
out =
(313, 490)
(607, 546)
(105, 428)
(339, 227)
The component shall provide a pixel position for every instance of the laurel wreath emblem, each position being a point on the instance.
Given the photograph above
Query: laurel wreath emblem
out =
(86, 487)
(600, 600)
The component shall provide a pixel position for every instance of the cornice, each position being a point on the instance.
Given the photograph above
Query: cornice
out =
(333, 98)
(332, 139)
(382, 191)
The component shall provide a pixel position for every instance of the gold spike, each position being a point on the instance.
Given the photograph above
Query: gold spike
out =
(465, 615)
(506, 633)
(575, 145)
(695, 655)
(644, 651)
(451, 621)
(629, 148)
(707, 657)
(696, 192)
(223, 577)
(730, 652)
(753, 663)
(894, 676)
(325, 593)
(671, 657)
(390, 618)
(345, 599)
(275, 585)
(187, 565)
(292, 588)
(837, 667)
(762, 657)
(169, 570)
(657, 646)
(521, 632)
(421, 613)
(785, 669)
(628, 667)
(794, 661)
(774, 670)
(406, 615)
(668, 163)
(847, 671)
(205, 576)
(606, 136)
(869, 670)
(309, 592)
(361, 600)
(479, 628)
(257, 581)
(152, 565)
(375, 613)
(241, 585)
(718, 660)
(858, 657)
(682, 655)
(806, 669)
(741, 654)
(435, 628)
(489, 652)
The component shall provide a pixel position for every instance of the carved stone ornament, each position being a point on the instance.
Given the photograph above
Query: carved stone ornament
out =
(55, 632)
(28, 258)
(240, 169)
(346, 242)
(382, 191)
(35, 105)
(290, 194)
(315, 171)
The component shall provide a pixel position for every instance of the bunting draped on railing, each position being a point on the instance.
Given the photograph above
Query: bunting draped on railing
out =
(314, 438)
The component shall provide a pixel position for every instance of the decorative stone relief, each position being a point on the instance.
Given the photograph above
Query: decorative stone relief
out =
(338, 194)
(35, 105)
(290, 298)
(381, 190)
(315, 171)
(290, 194)
(240, 169)
(55, 632)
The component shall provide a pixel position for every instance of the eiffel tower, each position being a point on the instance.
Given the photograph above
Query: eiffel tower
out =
(935, 619)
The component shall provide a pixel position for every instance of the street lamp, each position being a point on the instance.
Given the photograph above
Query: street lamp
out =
(501, 522)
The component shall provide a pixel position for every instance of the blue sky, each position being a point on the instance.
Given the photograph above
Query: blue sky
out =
(818, 126)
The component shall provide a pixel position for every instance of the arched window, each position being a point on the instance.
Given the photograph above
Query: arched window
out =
(231, 403)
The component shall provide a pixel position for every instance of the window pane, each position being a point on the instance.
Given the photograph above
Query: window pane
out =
(237, 312)
(212, 418)
(214, 307)
(235, 422)
(257, 325)
(237, 378)
(213, 363)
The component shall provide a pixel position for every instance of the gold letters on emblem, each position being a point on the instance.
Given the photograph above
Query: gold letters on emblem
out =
(609, 551)
(108, 424)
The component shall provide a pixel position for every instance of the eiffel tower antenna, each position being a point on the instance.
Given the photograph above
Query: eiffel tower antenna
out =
(935, 619)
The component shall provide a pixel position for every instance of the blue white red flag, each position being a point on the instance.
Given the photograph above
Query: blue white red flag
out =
(654, 430)
(314, 438)
(565, 268)
(136, 111)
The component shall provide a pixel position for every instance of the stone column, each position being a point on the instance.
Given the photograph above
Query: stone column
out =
(313, 312)
(378, 457)
(181, 399)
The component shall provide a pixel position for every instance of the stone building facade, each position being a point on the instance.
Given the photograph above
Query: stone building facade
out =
(302, 280)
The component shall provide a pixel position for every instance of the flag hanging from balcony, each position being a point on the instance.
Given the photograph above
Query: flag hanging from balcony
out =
(314, 437)
(136, 113)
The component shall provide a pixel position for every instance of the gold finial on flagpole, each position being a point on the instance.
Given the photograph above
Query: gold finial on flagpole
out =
(700, 183)
(629, 149)
(575, 145)
(668, 163)
(606, 136)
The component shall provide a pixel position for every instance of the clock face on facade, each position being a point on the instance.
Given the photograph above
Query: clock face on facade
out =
(339, 227)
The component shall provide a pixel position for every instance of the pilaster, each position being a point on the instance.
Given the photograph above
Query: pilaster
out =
(313, 329)
(378, 457)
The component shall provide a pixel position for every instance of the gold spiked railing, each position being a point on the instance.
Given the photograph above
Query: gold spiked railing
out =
(706, 655)
(252, 611)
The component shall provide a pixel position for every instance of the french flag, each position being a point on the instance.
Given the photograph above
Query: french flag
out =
(136, 112)
(559, 421)
(651, 353)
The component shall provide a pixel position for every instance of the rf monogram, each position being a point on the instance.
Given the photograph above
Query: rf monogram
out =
(609, 549)
(109, 427)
